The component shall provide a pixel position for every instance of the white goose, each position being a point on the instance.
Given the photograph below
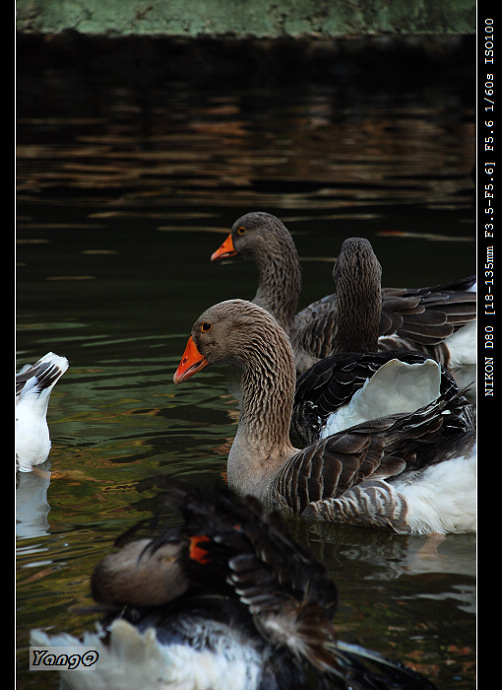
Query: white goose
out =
(420, 317)
(383, 473)
(225, 601)
(34, 384)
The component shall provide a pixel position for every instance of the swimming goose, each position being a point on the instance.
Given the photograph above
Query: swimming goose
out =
(373, 458)
(226, 600)
(448, 338)
(263, 238)
(351, 388)
(34, 384)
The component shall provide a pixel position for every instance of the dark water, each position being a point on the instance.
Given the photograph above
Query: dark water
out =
(122, 198)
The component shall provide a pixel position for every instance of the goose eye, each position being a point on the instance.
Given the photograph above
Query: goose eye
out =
(241, 231)
(205, 327)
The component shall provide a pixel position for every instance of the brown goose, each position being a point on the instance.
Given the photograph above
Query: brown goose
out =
(420, 317)
(371, 474)
(357, 274)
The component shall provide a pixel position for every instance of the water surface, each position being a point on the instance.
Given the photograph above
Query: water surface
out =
(121, 202)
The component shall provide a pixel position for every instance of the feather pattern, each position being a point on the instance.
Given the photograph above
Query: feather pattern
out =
(331, 384)
(409, 505)
(385, 447)
(420, 319)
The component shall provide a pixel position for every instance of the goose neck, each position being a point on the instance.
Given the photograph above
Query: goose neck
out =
(279, 283)
(262, 445)
(359, 312)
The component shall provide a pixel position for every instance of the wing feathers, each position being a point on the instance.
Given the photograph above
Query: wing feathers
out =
(383, 448)
(425, 316)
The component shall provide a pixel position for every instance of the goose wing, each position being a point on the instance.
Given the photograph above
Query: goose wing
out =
(238, 550)
(379, 449)
(332, 382)
(426, 316)
(253, 551)
(420, 316)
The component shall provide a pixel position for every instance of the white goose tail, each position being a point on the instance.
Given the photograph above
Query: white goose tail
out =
(34, 384)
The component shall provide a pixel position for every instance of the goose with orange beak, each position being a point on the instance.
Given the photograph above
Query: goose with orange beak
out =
(365, 475)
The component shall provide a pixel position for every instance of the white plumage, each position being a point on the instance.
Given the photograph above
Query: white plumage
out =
(34, 384)
(396, 387)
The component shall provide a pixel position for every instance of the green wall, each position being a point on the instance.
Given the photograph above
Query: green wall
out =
(241, 18)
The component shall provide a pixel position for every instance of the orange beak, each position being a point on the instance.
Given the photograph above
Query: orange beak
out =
(226, 250)
(191, 362)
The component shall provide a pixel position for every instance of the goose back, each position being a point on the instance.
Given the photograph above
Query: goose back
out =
(331, 383)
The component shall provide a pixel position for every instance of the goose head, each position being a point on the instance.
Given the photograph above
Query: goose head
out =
(264, 239)
(236, 332)
(254, 236)
(140, 575)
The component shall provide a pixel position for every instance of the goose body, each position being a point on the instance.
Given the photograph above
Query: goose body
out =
(367, 377)
(415, 319)
(225, 600)
(136, 658)
(262, 461)
(351, 388)
(34, 385)
(437, 499)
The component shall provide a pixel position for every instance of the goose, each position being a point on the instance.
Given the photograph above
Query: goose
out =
(34, 384)
(366, 378)
(263, 238)
(219, 597)
(450, 340)
(380, 473)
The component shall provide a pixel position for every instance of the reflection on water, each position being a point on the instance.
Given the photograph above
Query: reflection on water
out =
(32, 507)
(120, 205)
